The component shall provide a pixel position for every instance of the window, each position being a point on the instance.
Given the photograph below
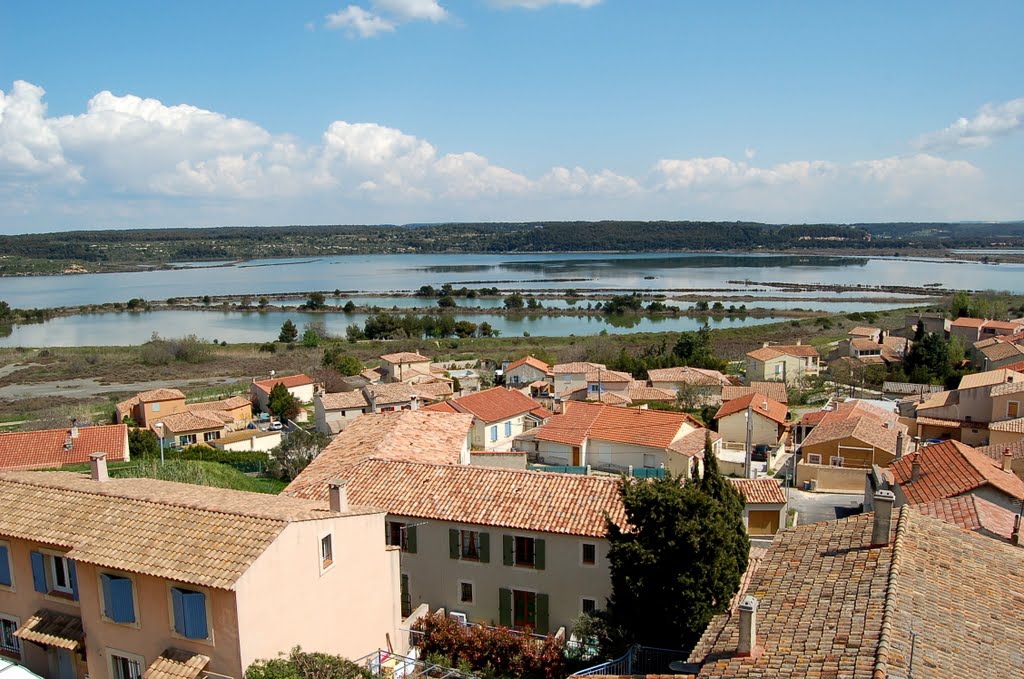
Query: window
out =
(401, 535)
(211, 436)
(189, 609)
(494, 433)
(388, 409)
(589, 555)
(6, 574)
(465, 592)
(9, 644)
(54, 574)
(813, 458)
(508, 429)
(470, 544)
(524, 609)
(187, 439)
(835, 461)
(650, 461)
(1013, 409)
(156, 407)
(589, 605)
(118, 599)
(326, 552)
(125, 665)
(778, 368)
(520, 609)
(405, 596)
(523, 551)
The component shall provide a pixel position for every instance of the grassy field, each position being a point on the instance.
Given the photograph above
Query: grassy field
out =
(227, 370)
(199, 473)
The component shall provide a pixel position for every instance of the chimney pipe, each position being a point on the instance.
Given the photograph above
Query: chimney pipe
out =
(1015, 535)
(899, 446)
(98, 467)
(915, 468)
(338, 495)
(1007, 460)
(884, 500)
(748, 626)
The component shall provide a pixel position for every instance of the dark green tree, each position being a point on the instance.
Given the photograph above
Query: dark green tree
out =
(301, 665)
(349, 307)
(446, 302)
(316, 300)
(295, 453)
(142, 443)
(514, 301)
(282, 403)
(680, 561)
(289, 333)
(346, 364)
(694, 349)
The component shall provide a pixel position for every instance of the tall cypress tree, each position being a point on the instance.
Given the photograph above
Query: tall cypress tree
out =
(679, 560)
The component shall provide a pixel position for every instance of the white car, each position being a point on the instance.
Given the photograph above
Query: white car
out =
(276, 426)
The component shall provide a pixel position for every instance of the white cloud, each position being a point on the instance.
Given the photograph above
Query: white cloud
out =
(356, 21)
(749, 153)
(991, 122)
(131, 159)
(412, 10)
(539, 4)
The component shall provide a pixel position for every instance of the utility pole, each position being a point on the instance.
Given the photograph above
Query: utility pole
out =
(748, 462)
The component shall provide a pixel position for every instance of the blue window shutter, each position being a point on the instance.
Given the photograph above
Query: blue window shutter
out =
(73, 572)
(178, 601)
(117, 598)
(38, 572)
(108, 597)
(508, 429)
(195, 615)
(494, 433)
(5, 567)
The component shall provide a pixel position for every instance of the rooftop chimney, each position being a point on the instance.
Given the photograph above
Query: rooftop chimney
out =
(899, 446)
(339, 495)
(1007, 460)
(798, 341)
(748, 626)
(98, 467)
(915, 468)
(1015, 535)
(764, 345)
(884, 500)
(74, 427)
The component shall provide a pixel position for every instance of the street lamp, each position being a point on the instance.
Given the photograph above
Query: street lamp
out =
(160, 430)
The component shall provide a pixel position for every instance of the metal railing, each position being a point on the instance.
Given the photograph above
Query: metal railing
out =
(637, 660)
(386, 664)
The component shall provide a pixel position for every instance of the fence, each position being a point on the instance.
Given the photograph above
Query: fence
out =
(387, 664)
(560, 468)
(637, 660)
(647, 472)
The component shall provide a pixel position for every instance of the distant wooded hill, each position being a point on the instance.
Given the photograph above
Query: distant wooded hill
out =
(166, 245)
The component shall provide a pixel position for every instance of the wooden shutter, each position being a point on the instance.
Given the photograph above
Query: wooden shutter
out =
(410, 539)
(538, 554)
(5, 567)
(73, 574)
(507, 542)
(178, 602)
(38, 572)
(195, 615)
(505, 607)
(453, 543)
(485, 547)
(117, 598)
(542, 614)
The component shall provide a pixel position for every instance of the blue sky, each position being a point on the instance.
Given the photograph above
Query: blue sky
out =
(377, 111)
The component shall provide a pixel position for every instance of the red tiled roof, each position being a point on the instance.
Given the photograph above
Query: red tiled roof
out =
(530, 361)
(814, 417)
(775, 390)
(387, 394)
(1015, 426)
(44, 449)
(289, 381)
(223, 404)
(404, 357)
(546, 502)
(576, 367)
(968, 322)
(687, 375)
(441, 407)
(343, 400)
(762, 405)
(861, 421)
(776, 350)
(989, 378)
(159, 395)
(864, 331)
(541, 413)
(692, 444)
(608, 376)
(949, 469)
(580, 421)
(972, 513)
(187, 421)
(760, 491)
(495, 404)
(639, 391)
(996, 452)
(411, 435)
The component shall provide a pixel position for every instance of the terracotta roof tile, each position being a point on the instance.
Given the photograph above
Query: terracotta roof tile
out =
(580, 421)
(996, 452)
(159, 395)
(686, 375)
(608, 376)
(973, 513)
(949, 469)
(530, 361)
(989, 378)
(861, 421)
(343, 400)
(776, 350)
(186, 421)
(1015, 426)
(760, 491)
(577, 367)
(773, 390)
(432, 390)
(864, 331)
(223, 404)
(1001, 351)
(50, 628)
(639, 391)
(609, 397)
(412, 435)
(762, 405)
(1007, 388)
(388, 394)
(289, 381)
(405, 357)
(194, 534)
(495, 404)
(692, 444)
(44, 449)
(569, 504)
(175, 663)
(441, 407)
(968, 322)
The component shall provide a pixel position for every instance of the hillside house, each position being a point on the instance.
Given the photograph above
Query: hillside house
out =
(769, 421)
(765, 505)
(789, 363)
(89, 591)
(54, 448)
(404, 366)
(499, 415)
(521, 373)
(334, 412)
(300, 386)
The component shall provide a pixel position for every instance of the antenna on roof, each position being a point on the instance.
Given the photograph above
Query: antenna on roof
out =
(68, 443)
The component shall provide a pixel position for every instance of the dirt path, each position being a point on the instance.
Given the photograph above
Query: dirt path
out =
(85, 388)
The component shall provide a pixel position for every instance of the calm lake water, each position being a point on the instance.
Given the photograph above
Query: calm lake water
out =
(385, 274)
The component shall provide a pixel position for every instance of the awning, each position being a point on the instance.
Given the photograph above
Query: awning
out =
(175, 663)
(49, 628)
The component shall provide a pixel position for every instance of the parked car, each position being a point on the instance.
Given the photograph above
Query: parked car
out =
(760, 453)
(276, 425)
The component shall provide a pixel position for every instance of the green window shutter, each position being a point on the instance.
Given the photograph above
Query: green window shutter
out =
(542, 614)
(506, 549)
(538, 554)
(410, 539)
(505, 607)
(485, 547)
(453, 543)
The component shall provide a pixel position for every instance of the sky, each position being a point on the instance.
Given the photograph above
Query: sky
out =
(189, 114)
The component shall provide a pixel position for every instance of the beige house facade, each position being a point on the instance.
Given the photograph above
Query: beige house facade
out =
(89, 592)
(783, 363)
(404, 366)
(499, 416)
(526, 371)
(334, 412)
(768, 416)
